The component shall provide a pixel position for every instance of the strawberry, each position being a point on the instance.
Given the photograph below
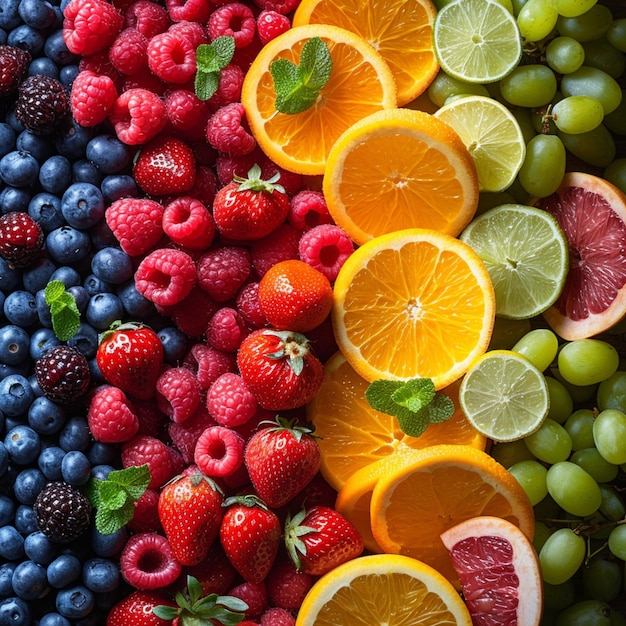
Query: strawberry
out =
(250, 208)
(321, 539)
(136, 609)
(279, 368)
(130, 356)
(190, 510)
(166, 165)
(281, 461)
(250, 535)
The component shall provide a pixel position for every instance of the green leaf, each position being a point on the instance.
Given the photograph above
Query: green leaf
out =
(112, 496)
(415, 394)
(440, 409)
(165, 612)
(134, 479)
(413, 424)
(108, 521)
(92, 491)
(380, 395)
(63, 310)
(297, 87)
(211, 59)
(54, 290)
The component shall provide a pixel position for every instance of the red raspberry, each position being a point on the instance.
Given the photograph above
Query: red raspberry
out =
(234, 20)
(205, 186)
(166, 276)
(147, 562)
(208, 364)
(226, 330)
(247, 302)
(111, 416)
(185, 435)
(227, 130)
(219, 451)
(230, 402)
(188, 223)
(286, 586)
(185, 111)
(137, 224)
(189, 10)
(172, 57)
(21, 239)
(227, 166)
(148, 17)
(192, 31)
(222, 272)
(229, 87)
(129, 52)
(326, 248)
(146, 516)
(280, 6)
(280, 245)
(308, 209)
(178, 393)
(270, 24)
(137, 116)
(254, 595)
(92, 97)
(192, 313)
(275, 616)
(100, 64)
(143, 449)
(90, 26)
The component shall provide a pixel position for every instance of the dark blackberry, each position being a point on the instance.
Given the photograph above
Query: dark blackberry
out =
(42, 104)
(63, 512)
(14, 64)
(62, 374)
(21, 239)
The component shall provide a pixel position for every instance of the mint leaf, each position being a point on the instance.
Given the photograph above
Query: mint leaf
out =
(63, 310)
(413, 424)
(113, 495)
(211, 59)
(440, 409)
(54, 290)
(415, 394)
(134, 479)
(380, 395)
(297, 87)
(108, 521)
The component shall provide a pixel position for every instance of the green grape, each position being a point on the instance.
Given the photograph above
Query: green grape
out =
(597, 147)
(617, 618)
(561, 556)
(531, 475)
(547, 509)
(587, 361)
(609, 435)
(561, 403)
(573, 8)
(617, 542)
(579, 425)
(517, 6)
(612, 506)
(616, 120)
(542, 532)
(595, 465)
(615, 172)
(616, 34)
(507, 332)
(536, 19)
(593, 82)
(544, 165)
(565, 55)
(551, 443)
(612, 392)
(591, 24)
(524, 119)
(510, 452)
(444, 86)
(542, 121)
(577, 114)
(539, 346)
(559, 597)
(530, 86)
(600, 53)
(573, 489)
(585, 613)
(602, 579)
(580, 395)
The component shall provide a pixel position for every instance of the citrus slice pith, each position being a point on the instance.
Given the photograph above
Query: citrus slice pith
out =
(360, 83)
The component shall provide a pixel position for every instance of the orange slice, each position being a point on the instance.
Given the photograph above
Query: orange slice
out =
(383, 589)
(443, 486)
(352, 435)
(360, 83)
(401, 30)
(413, 303)
(400, 169)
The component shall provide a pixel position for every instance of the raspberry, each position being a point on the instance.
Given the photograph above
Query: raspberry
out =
(21, 239)
(62, 374)
(280, 6)
(254, 595)
(145, 79)
(143, 449)
(280, 245)
(229, 87)
(147, 562)
(185, 111)
(146, 516)
(172, 58)
(270, 24)
(192, 313)
(136, 224)
(308, 209)
(326, 248)
(226, 130)
(188, 223)
(165, 276)
(286, 586)
(221, 272)
(226, 330)
(275, 616)
(129, 52)
(99, 63)
(188, 10)
(230, 402)
(185, 435)
(151, 419)
(92, 97)
(178, 393)
(148, 17)
(192, 31)
(90, 26)
(137, 116)
(219, 451)
(247, 302)
(208, 364)
(205, 186)
(234, 20)
(14, 63)
(111, 416)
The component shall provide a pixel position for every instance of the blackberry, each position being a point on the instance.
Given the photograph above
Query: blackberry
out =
(63, 512)
(21, 239)
(42, 104)
(62, 374)
(14, 64)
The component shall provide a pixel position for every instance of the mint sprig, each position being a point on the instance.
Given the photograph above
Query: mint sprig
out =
(414, 403)
(211, 59)
(298, 86)
(114, 497)
(63, 310)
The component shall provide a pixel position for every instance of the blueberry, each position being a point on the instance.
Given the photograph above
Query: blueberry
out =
(174, 343)
(94, 372)
(100, 575)
(10, 16)
(11, 119)
(46, 417)
(72, 139)
(45, 209)
(54, 619)
(135, 304)
(75, 435)
(20, 308)
(108, 545)
(112, 265)
(80, 295)
(40, 342)
(27, 38)
(37, 13)
(38, 276)
(14, 612)
(29, 580)
(43, 66)
(94, 285)
(101, 453)
(6, 577)
(10, 277)
(40, 549)
(20, 369)
(67, 75)
(22, 444)
(28, 483)
(14, 199)
(76, 468)
(64, 570)
(16, 395)
(39, 146)
(55, 174)
(4, 466)
(49, 462)
(7, 509)
(101, 472)
(19, 169)
(116, 186)
(67, 275)
(43, 310)
(25, 520)
(108, 153)
(67, 245)
(104, 309)
(75, 602)
(56, 49)
(82, 205)
(14, 345)
(7, 139)
(84, 171)
(11, 543)
(85, 340)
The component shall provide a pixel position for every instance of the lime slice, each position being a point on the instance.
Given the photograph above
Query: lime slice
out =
(504, 396)
(477, 41)
(526, 254)
(492, 136)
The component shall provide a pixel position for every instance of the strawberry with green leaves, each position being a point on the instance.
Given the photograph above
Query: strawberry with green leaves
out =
(137, 609)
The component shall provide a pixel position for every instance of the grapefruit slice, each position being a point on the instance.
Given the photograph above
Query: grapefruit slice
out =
(498, 570)
(592, 214)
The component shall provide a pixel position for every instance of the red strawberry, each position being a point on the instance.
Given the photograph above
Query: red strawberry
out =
(281, 461)
(136, 609)
(321, 539)
(190, 509)
(279, 368)
(250, 208)
(166, 165)
(250, 535)
(130, 356)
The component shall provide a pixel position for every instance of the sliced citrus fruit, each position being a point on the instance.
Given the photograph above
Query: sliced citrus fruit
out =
(401, 30)
(504, 396)
(499, 571)
(526, 254)
(491, 134)
(442, 486)
(399, 169)
(383, 589)
(360, 83)
(353, 435)
(477, 41)
(413, 304)
(592, 213)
